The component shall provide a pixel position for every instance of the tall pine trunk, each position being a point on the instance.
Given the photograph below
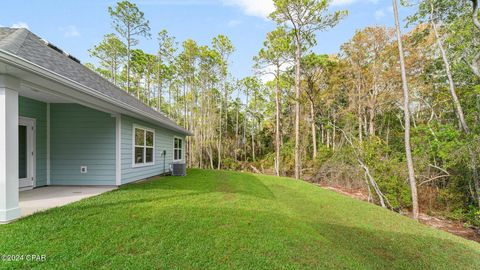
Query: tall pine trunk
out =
(237, 144)
(219, 143)
(129, 43)
(298, 54)
(406, 115)
(159, 86)
(314, 129)
(277, 123)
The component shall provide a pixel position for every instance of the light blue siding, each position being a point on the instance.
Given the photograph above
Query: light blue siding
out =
(81, 136)
(163, 141)
(37, 110)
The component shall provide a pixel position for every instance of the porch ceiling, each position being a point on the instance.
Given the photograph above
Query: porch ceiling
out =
(37, 94)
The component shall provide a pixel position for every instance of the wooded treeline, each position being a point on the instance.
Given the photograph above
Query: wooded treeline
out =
(337, 119)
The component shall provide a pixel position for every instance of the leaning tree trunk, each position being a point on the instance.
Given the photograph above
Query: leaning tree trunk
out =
(453, 93)
(406, 114)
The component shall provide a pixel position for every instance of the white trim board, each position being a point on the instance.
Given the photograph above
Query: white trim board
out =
(31, 125)
(48, 145)
(118, 151)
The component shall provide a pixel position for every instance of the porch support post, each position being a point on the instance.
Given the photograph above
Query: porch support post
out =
(9, 205)
(118, 149)
(48, 145)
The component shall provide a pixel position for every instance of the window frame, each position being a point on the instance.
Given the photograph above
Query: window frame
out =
(134, 145)
(181, 148)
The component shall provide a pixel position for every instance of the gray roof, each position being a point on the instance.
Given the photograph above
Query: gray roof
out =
(28, 46)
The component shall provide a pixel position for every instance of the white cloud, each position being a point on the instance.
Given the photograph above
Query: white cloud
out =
(258, 8)
(70, 31)
(343, 2)
(234, 23)
(379, 14)
(174, 2)
(349, 2)
(20, 25)
(263, 8)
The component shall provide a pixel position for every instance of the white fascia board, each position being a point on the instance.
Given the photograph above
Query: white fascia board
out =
(26, 65)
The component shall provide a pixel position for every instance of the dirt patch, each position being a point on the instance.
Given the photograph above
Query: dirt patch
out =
(453, 227)
(450, 226)
(355, 193)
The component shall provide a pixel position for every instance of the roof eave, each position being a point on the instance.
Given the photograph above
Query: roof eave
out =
(21, 63)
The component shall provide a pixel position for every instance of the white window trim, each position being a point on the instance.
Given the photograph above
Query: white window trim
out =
(182, 148)
(144, 164)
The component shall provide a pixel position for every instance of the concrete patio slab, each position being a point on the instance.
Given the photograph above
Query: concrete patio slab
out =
(43, 198)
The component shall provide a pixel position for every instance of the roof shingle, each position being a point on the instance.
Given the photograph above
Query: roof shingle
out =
(26, 45)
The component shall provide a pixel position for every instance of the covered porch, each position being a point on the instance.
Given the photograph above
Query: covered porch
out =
(54, 149)
(62, 124)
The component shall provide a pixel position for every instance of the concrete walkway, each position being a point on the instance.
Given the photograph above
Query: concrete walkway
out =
(43, 198)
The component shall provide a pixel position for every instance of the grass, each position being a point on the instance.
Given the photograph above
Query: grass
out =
(230, 220)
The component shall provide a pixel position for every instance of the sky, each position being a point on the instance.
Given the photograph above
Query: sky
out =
(77, 25)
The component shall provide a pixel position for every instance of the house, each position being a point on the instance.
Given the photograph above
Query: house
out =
(63, 124)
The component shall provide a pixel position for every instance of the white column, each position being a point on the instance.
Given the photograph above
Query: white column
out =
(48, 144)
(9, 209)
(118, 149)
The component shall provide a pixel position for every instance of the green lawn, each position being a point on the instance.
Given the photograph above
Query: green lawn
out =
(229, 220)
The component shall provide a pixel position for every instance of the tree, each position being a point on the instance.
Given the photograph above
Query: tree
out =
(111, 52)
(304, 18)
(165, 54)
(151, 68)
(406, 115)
(138, 66)
(369, 54)
(475, 65)
(440, 12)
(315, 68)
(223, 45)
(444, 12)
(130, 23)
(276, 52)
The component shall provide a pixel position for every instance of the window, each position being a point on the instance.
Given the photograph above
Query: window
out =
(177, 149)
(144, 145)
